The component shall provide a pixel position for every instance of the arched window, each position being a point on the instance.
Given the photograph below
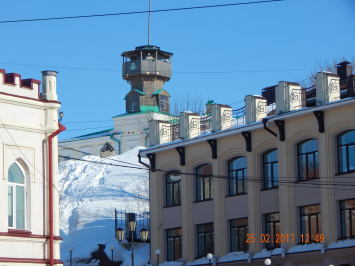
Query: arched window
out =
(204, 185)
(173, 189)
(271, 171)
(308, 165)
(237, 169)
(346, 152)
(16, 197)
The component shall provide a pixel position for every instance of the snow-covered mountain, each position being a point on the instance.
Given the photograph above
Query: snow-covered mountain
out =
(89, 192)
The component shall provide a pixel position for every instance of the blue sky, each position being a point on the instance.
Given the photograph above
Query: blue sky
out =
(293, 34)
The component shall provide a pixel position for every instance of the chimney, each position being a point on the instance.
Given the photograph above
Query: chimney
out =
(289, 97)
(344, 70)
(255, 108)
(327, 87)
(159, 132)
(221, 117)
(49, 85)
(189, 125)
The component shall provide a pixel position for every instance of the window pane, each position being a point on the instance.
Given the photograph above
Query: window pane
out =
(10, 206)
(345, 223)
(311, 166)
(208, 243)
(310, 209)
(199, 187)
(270, 231)
(242, 240)
(15, 174)
(304, 225)
(179, 193)
(238, 163)
(277, 232)
(342, 160)
(204, 170)
(276, 174)
(319, 223)
(177, 248)
(308, 146)
(207, 188)
(201, 245)
(169, 195)
(234, 239)
(211, 191)
(270, 156)
(232, 183)
(346, 138)
(267, 176)
(347, 204)
(240, 181)
(302, 168)
(170, 249)
(352, 222)
(316, 164)
(351, 154)
(20, 207)
(239, 222)
(176, 194)
(245, 181)
(313, 231)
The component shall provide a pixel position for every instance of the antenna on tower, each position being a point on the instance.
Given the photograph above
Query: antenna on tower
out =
(149, 24)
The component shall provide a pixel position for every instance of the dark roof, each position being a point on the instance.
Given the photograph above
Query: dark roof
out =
(147, 48)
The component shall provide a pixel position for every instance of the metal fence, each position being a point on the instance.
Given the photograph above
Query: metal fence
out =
(205, 124)
(238, 116)
(175, 131)
(142, 219)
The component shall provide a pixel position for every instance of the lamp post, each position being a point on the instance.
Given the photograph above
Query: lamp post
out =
(209, 257)
(267, 262)
(112, 248)
(71, 250)
(157, 251)
(132, 245)
(61, 114)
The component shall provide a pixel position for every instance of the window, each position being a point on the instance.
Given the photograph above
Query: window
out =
(164, 103)
(271, 171)
(310, 223)
(174, 244)
(16, 197)
(308, 166)
(239, 230)
(272, 229)
(133, 104)
(205, 239)
(347, 212)
(204, 186)
(237, 169)
(173, 189)
(346, 152)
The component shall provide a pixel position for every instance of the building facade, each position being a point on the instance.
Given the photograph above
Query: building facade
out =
(146, 69)
(29, 227)
(279, 185)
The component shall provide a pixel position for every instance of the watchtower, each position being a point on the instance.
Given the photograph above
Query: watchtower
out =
(147, 68)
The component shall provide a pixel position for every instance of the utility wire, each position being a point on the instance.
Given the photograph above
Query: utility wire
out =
(140, 12)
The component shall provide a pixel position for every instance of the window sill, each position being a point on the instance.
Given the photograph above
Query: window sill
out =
(240, 194)
(202, 200)
(346, 238)
(19, 231)
(346, 173)
(172, 206)
(309, 179)
(271, 188)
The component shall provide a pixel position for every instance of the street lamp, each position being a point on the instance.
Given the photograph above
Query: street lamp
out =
(132, 245)
(267, 262)
(71, 250)
(61, 114)
(209, 257)
(157, 251)
(112, 248)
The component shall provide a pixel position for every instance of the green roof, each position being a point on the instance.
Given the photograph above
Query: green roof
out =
(148, 47)
(145, 109)
(159, 91)
(140, 92)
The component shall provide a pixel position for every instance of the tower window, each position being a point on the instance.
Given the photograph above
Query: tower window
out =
(164, 103)
(133, 104)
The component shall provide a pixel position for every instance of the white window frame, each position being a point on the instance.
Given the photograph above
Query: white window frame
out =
(13, 185)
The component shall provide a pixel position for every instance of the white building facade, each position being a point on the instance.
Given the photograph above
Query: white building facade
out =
(29, 224)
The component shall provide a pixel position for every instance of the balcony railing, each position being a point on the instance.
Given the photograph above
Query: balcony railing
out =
(146, 66)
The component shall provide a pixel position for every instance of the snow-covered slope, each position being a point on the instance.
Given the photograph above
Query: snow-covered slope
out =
(89, 194)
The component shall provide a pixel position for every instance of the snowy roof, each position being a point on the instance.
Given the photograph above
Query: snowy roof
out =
(98, 134)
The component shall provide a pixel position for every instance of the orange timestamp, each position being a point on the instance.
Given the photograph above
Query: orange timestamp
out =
(284, 238)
